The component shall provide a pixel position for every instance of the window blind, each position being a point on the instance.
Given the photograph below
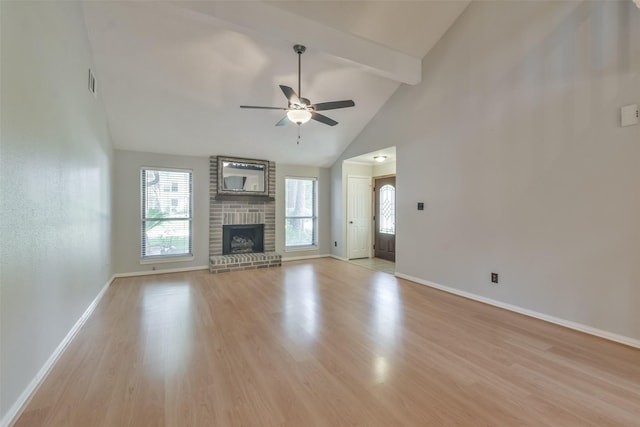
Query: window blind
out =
(167, 204)
(301, 212)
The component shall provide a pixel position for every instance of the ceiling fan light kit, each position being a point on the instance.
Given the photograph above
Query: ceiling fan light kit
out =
(300, 110)
(299, 116)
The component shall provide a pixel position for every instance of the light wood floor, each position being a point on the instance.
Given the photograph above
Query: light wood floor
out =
(377, 264)
(326, 343)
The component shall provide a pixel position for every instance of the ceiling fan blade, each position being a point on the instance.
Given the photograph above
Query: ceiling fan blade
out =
(334, 105)
(263, 108)
(323, 119)
(283, 121)
(290, 94)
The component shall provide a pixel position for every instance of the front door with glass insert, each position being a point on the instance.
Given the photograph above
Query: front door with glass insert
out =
(385, 218)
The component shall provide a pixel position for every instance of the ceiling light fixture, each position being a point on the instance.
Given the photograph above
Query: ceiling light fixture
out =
(299, 116)
(380, 159)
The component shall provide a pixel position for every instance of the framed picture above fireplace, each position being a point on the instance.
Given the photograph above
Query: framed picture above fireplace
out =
(243, 177)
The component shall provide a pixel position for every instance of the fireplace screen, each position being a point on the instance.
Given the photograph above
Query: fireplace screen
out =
(242, 239)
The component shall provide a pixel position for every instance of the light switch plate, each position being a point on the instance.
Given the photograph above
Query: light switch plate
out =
(629, 115)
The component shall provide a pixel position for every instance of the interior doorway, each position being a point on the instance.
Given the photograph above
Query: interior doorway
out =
(358, 249)
(384, 220)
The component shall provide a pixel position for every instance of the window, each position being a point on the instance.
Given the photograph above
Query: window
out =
(301, 209)
(387, 210)
(166, 216)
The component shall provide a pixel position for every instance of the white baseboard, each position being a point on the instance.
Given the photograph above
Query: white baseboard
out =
(298, 258)
(337, 257)
(547, 318)
(18, 406)
(168, 270)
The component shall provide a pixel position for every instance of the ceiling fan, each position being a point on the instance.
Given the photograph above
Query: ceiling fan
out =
(300, 110)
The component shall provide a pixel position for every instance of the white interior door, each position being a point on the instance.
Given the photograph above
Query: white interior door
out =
(359, 216)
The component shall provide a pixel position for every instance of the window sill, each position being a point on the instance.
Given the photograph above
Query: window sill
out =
(163, 259)
(301, 248)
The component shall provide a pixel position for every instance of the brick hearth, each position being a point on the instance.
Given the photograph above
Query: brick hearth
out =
(225, 263)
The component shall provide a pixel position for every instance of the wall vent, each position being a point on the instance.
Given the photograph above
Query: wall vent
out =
(91, 83)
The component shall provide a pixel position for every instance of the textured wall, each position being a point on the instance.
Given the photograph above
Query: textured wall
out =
(55, 187)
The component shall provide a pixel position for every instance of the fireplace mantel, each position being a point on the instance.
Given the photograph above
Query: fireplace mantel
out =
(244, 198)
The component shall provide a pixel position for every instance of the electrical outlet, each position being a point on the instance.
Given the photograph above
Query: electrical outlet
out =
(494, 277)
(335, 244)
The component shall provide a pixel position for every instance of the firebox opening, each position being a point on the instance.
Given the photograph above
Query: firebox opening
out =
(242, 239)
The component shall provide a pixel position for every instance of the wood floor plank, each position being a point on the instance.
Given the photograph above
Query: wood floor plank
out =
(326, 343)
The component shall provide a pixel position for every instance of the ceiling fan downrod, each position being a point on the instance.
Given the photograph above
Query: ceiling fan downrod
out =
(299, 49)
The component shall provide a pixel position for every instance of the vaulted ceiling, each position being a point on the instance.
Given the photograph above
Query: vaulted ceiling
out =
(173, 74)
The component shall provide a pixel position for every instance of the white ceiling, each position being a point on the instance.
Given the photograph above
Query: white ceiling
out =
(368, 158)
(173, 74)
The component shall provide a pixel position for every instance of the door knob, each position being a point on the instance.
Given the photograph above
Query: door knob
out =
(350, 222)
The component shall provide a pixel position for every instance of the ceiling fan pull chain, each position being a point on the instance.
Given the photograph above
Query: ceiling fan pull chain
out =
(298, 142)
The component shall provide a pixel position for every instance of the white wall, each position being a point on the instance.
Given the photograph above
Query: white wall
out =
(324, 208)
(386, 168)
(358, 169)
(513, 141)
(55, 188)
(126, 204)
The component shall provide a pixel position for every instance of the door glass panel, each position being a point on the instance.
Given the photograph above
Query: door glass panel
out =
(388, 209)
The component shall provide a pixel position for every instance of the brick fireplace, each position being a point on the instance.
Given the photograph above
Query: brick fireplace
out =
(241, 210)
